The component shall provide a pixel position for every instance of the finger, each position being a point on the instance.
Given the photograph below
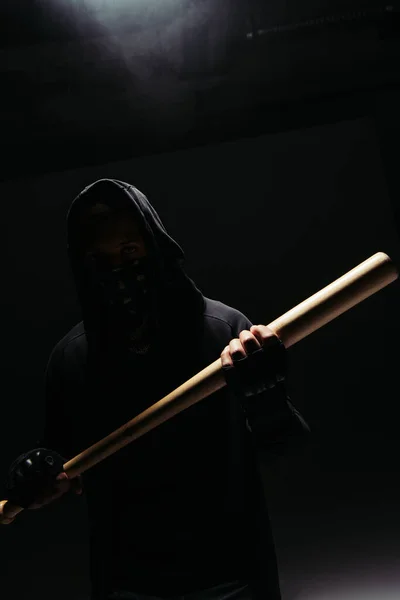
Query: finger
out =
(63, 482)
(54, 496)
(236, 349)
(263, 334)
(226, 359)
(54, 491)
(45, 499)
(42, 501)
(62, 486)
(75, 484)
(249, 341)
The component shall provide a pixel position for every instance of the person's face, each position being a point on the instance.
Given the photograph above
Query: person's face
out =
(115, 240)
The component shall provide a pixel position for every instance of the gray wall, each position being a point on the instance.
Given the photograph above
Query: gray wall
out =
(265, 223)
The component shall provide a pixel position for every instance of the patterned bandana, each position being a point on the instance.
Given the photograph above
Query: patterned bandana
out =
(126, 292)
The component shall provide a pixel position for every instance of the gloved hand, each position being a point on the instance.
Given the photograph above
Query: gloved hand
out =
(254, 362)
(36, 478)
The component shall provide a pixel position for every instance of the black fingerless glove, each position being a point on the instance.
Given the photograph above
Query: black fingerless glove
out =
(258, 371)
(30, 474)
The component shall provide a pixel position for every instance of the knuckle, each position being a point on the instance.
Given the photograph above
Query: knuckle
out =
(266, 333)
(245, 335)
(235, 345)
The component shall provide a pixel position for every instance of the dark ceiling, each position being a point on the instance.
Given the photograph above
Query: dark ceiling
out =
(91, 81)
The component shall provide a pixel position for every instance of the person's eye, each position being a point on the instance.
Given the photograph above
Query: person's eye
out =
(129, 250)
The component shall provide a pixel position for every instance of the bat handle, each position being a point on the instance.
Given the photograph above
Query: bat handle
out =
(8, 512)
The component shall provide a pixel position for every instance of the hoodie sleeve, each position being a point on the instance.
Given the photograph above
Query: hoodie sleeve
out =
(276, 426)
(57, 433)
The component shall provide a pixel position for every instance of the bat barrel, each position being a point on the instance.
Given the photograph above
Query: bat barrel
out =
(352, 288)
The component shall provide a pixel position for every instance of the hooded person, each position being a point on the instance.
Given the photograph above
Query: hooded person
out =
(185, 510)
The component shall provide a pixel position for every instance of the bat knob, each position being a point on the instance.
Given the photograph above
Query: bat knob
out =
(8, 512)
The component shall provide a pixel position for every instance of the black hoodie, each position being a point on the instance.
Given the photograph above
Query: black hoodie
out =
(182, 508)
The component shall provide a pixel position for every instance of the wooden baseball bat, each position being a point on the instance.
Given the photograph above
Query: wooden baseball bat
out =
(349, 290)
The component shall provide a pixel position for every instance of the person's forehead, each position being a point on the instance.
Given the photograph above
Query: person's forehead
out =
(108, 226)
(110, 219)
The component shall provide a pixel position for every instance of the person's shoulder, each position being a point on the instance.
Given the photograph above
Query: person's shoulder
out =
(72, 341)
(223, 313)
(74, 336)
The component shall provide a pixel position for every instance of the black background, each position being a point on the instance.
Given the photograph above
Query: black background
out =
(274, 164)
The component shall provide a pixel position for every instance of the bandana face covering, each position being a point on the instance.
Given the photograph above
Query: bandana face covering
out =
(126, 293)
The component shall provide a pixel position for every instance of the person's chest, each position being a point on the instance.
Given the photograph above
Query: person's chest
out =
(190, 446)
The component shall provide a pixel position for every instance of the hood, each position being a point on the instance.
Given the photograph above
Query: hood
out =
(178, 297)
